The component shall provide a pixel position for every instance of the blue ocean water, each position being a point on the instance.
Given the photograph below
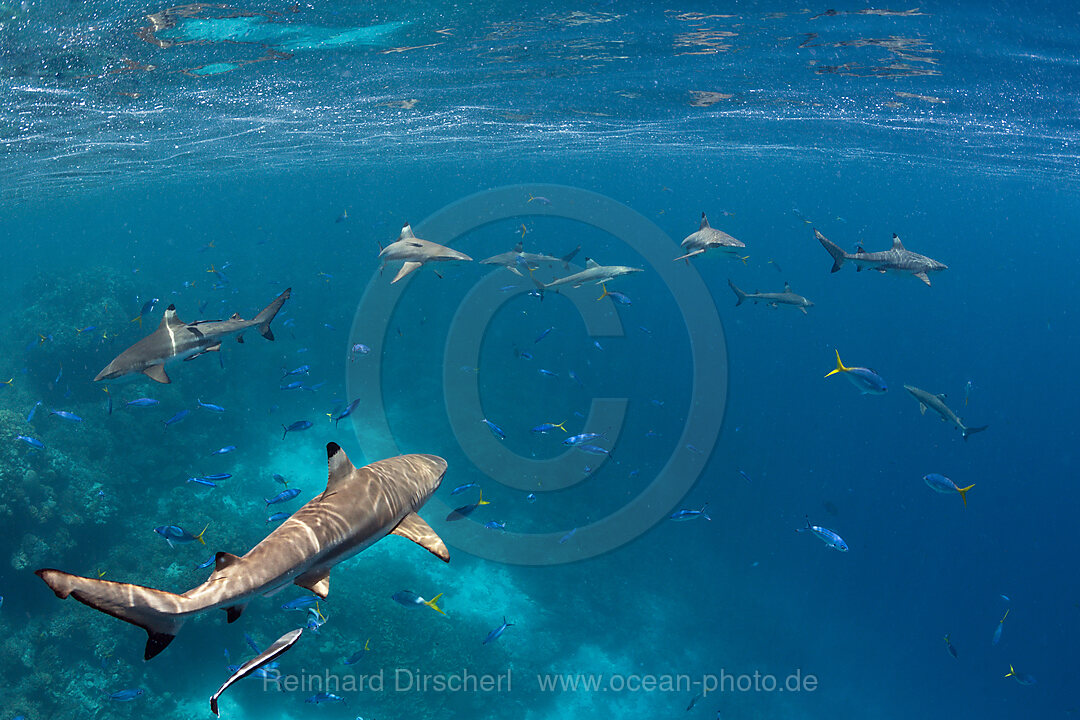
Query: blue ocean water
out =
(145, 148)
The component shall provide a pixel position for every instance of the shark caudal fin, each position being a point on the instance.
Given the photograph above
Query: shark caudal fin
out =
(839, 366)
(972, 430)
(268, 313)
(157, 612)
(738, 293)
(963, 493)
(431, 604)
(838, 254)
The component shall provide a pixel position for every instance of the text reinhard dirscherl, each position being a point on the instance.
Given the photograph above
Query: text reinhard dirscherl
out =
(414, 680)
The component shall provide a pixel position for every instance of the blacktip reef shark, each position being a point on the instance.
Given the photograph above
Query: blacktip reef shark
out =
(707, 238)
(416, 252)
(279, 648)
(515, 258)
(896, 259)
(593, 272)
(937, 404)
(774, 299)
(359, 507)
(175, 340)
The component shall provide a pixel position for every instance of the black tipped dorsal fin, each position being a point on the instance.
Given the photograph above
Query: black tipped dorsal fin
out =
(519, 247)
(704, 222)
(406, 232)
(414, 528)
(787, 287)
(338, 465)
(590, 263)
(235, 316)
(897, 245)
(223, 560)
(169, 319)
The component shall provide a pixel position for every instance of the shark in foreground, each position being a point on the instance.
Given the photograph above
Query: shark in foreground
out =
(707, 238)
(416, 252)
(175, 340)
(937, 404)
(359, 507)
(593, 273)
(774, 299)
(897, 259)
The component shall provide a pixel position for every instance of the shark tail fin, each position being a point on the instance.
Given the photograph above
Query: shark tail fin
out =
(738, 293)
(838, 254)
(432, 604)
(839, 366)
(963, 493)
(268, 313)
(973, 430)
(157, 612)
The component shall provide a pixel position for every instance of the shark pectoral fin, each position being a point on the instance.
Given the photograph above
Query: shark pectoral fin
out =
(233, 613)
(922, 408)
(803, 310)
(514, 270)
(406, 268)
(317, 581)
(213, 348)
(922, 276)
(157, 374)
(414, 528)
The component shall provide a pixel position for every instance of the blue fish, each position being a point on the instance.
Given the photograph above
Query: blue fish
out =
(494, 634)
(281, 480)
(294, 385)
(567, 536)
(347, 411)
(543, 335)
(530, 498)
(524, 355)
(142, 402)
(283, 496)
(358, 349)
(65, 415)
(33, 410)
(210, 406)
(207, 563)
(463, 488)
(32, 442)
(358, 655)
(495, 429)
(224, 450)
(302, 370)
(690, 514)
(868, 381)
(218, 476)
(202, 481)
(278, 517)
(547, 373)
(126, 695)
(177, 534)
(826, 536)
(178, 417)
(495, 525)
(301, 603)
(251, 644)
(575, 440)
(593, 450)
(324, 697)
(296, 426)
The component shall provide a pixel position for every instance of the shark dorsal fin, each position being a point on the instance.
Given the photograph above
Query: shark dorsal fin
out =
(338, 465)
(317, 581)
(787, 287)
(223, 560)
(169, 319)
(942, 396)
(704, 222)
(406, 233)
(590, 263)
(520, 247)
(896, 244)
(414, 528)
(235, 316)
